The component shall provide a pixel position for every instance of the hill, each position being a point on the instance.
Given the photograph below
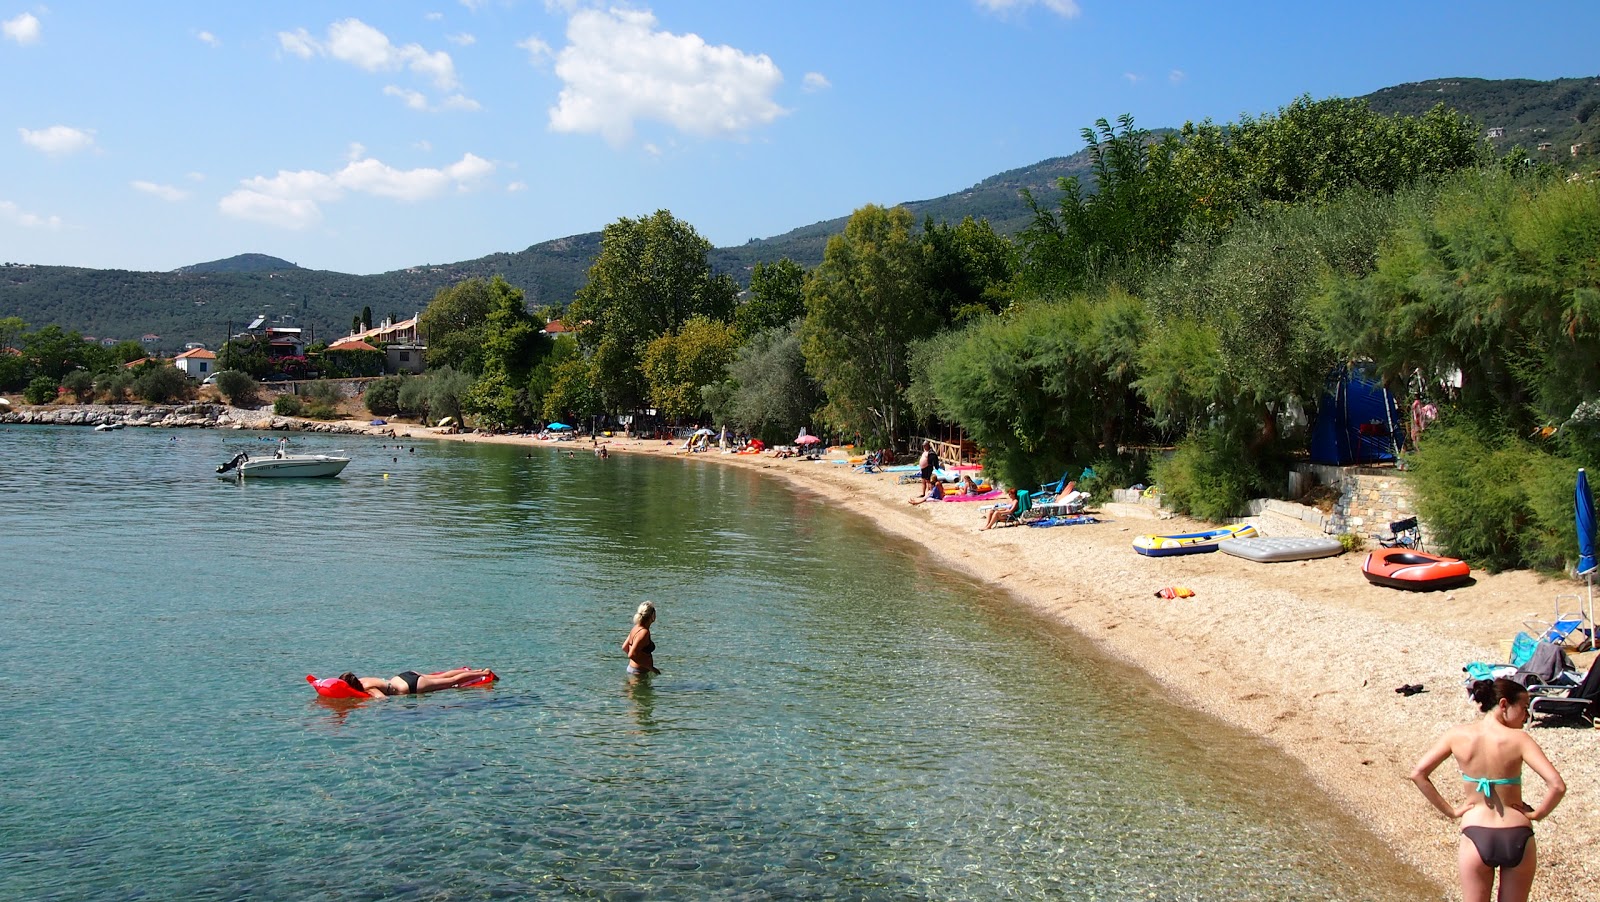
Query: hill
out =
(1526, 113)
(199, 302)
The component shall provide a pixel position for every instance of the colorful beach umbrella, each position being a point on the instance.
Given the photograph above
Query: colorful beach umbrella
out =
(557, 427)
(807, 440)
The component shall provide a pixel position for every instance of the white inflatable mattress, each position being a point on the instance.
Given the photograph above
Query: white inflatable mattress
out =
(1273, 549)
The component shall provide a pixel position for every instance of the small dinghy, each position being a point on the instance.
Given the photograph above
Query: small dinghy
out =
(1402, 568)
(1191, 542)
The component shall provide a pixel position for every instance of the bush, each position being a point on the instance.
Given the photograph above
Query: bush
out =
(114, 386)
(321, 400)
(1111, 473)
(288, 406)
(1496, 501)
(383, 396)
(1208, 477)
(42, 390)
(237, 387)
(160, 384)
(81, 384)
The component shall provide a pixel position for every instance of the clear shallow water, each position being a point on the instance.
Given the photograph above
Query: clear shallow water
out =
(837, 718)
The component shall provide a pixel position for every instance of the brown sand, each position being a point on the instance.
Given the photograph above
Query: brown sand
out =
(1336, 647)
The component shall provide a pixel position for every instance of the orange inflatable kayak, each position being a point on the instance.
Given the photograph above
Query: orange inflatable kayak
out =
(1402, 568)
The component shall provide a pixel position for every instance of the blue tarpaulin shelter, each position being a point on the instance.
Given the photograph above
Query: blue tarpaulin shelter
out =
(1358, 421)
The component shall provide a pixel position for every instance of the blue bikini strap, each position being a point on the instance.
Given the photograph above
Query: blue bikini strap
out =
(1483, 784)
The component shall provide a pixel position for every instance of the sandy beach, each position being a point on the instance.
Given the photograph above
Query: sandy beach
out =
(1334, 647)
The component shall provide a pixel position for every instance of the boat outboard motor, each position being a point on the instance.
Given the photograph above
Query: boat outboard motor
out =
(238, 459)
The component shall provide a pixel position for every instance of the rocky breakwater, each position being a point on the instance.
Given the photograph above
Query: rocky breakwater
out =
(166, 416)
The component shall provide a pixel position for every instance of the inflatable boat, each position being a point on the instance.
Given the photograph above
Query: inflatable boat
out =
(1402, 568)
(1191, 542)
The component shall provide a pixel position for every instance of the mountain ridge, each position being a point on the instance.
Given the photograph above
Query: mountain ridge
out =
(203, 301)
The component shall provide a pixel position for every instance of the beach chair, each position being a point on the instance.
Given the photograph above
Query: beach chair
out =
(1051, 489)
(1570, 628)
(1065, 504)
(1581, 701)
(1405, 533)
(1021, 512)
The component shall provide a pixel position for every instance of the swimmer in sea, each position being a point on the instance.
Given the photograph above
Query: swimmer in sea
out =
(639, 647)
(410, 682)
(1497, 825)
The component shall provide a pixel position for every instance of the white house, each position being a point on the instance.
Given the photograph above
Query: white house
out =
(196, 363)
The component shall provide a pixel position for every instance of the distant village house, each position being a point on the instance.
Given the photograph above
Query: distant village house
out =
(196, 363)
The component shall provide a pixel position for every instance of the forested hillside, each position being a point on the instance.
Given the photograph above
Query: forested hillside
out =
(198, 302)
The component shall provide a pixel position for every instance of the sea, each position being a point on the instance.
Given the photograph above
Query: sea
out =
(837, 717)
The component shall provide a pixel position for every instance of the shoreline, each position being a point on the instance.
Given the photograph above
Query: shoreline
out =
(1305, 655)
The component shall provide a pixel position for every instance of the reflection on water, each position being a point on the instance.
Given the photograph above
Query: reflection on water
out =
(837, 718)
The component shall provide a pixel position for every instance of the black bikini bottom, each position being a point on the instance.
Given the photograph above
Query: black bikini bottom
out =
(1499, 847)
(411, 677)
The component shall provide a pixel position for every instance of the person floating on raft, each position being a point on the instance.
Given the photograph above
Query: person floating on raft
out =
(413, 683)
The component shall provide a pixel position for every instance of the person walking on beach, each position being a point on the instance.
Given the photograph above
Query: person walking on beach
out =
(639, 646)
(1497, 825)
(928, 465)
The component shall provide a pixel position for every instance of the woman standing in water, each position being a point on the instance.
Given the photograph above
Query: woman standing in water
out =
(639, 647)
(1497, 825)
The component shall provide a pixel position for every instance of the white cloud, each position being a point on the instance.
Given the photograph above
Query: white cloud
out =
(209, 39)
(299, 42)
(24, 29)
(1066, 9)
(1176, 76)
(359, 44)
(462, 40)
(418, 101)
(196, 176)
(815, 81)
(424, 145)
(1133, 78)
(514, 187)
(165, 192)
(474, 5)
(293, 200)
(538, 50)
(619, 69)
(58, 140)
(432, 17)
(651, 149)
(413, 99)
(15, 215)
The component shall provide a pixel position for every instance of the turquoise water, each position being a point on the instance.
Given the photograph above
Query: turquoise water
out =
(838, 718)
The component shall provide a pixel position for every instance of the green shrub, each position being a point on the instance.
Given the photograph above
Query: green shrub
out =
(1208, 477)
(1495, 500)
(160, 384)
(1351, 541)
(321, 391)
(237, 387)
(114, 386)
(288, 406)
(382, 397)
(81, 384)
(1118, 472)
(42, 390)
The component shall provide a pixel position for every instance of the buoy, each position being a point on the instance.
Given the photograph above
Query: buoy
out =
(386, 476)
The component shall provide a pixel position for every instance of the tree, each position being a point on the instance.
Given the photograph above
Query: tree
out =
(366, 318)
(248, 355)
(160, 383)
(81, 384)
(968, 268)
(572, 395)
(650, 277)
(53, 352)
(512, 343)
(864, 305)
(771, 396)
(777, 297)
(1134, 217)
(676, 365)
(237, 387)
(454, 325)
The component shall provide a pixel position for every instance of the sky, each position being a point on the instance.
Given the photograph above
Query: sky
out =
(365, 136)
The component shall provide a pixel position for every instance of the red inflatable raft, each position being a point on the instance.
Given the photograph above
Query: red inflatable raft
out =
(1402, 568)
(333, 687)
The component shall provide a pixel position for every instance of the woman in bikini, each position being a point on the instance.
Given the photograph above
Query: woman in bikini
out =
(639, 647)
(1497, 825)
(411, 682)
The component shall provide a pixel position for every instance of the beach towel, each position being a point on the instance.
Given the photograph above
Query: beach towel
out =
(986, 496)
(1175, 592)
(1074, 520)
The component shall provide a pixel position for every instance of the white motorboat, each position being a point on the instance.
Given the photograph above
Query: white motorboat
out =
(108, 427)
(286, 466)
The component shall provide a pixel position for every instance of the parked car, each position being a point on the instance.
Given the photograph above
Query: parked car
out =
(209, 380)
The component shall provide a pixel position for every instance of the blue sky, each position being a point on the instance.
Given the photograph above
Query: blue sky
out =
(369, 136)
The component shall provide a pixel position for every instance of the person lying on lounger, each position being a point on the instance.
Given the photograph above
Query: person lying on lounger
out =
(410, 682)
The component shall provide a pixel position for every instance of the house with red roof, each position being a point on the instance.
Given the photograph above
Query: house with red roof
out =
(196, 363)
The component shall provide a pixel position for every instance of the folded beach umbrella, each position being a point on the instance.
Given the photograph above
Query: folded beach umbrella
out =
(1586, 536)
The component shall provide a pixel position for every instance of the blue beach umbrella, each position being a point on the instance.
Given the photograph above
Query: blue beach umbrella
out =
(1585, 501)
(1586, 531)
(557, 427)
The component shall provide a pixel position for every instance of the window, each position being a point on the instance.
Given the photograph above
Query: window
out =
(405, 356)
